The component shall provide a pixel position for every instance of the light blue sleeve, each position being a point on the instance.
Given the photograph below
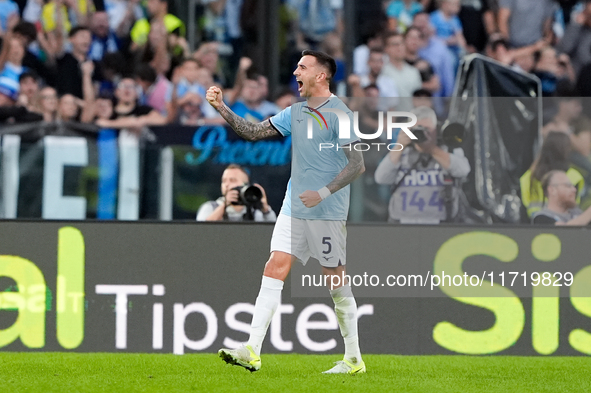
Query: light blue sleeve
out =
(282, 121)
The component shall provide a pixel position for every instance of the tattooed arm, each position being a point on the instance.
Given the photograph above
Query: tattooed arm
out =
(244, 128)
(350, 172)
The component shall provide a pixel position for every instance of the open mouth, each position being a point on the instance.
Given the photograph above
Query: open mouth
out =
(300, 85)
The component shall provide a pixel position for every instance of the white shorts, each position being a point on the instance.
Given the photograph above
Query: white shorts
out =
(320, 239)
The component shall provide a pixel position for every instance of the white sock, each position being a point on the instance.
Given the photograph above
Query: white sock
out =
(346, 310)
(264, 308)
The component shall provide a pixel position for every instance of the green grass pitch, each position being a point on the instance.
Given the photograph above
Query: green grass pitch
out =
(61, 372)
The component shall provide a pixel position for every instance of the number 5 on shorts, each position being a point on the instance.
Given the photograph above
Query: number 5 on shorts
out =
(326, 241)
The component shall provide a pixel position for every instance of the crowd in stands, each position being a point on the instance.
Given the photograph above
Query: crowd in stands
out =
(128, 64)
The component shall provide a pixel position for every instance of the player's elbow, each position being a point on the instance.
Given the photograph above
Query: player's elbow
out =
(361, 169)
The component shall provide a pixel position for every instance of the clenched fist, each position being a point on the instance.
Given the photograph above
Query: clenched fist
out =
(214, 97)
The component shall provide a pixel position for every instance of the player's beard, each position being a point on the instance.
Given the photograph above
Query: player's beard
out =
(569, 203)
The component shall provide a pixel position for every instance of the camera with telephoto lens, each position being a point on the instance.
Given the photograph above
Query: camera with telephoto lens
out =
(421, 133)
(249, 196)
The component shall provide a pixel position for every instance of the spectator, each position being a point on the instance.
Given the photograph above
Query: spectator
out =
(103, 107)
(367, 107)
(422, 97)
(207, 57)
(11, 59)
(554, 155)
(68, 108)
(69, 78)
(400, 14)
(406, 77)
(265, 108)
(562, 207)
(361, 53)
(525, 22)
(246, 105)
(62, 15)
(189, 110)
(158, 11)
(154, 87)
(27, 33)
(568, 110)
(228, 207)
(422, 175)
(316, 18)
(122, 14)
(128, 113)
(437, 54)
(478, 22)
(112, 68)
(376, 76)
(520, 59)
(286, 97)
(546, 68)
(413, 41)
(48, 104)
(103, 39)
(29, 90)
(332, 45)
(430, 81)
(448, 27)
(186, 81)
(576, 41)
(10, 112)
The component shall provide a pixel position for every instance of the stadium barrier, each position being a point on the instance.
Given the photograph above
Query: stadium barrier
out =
(189, 287)
(70, 172)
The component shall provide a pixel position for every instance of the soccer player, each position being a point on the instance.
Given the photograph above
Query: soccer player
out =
(313, 223)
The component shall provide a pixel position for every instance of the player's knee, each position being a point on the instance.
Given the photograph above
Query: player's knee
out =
(278, 266)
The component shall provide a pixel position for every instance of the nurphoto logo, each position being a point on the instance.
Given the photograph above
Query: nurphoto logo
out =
(392, 122)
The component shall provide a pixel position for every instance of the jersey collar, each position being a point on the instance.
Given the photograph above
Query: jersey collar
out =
(325, 102)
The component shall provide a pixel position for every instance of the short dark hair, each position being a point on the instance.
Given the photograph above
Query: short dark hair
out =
(379, 51)
(324, 60)
(252, 76)
(422, 93)
(391, 34)
(27, 30)
(371, 86)
(77, 29)
(28, 74)
(411, 28)
(146, 72)
(283, 91)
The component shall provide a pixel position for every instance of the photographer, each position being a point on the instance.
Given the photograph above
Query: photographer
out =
(422, 175)
(231, 206)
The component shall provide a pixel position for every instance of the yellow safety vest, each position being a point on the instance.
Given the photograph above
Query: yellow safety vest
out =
(141, 28)
(532, 197)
